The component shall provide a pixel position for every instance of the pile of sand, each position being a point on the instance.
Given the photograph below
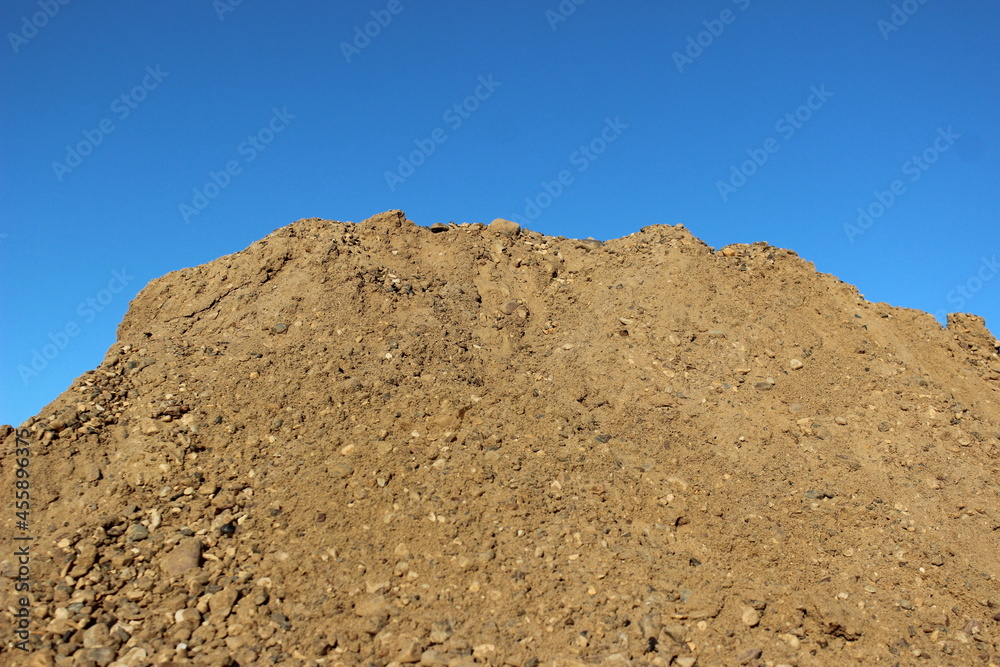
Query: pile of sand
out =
(379, 443)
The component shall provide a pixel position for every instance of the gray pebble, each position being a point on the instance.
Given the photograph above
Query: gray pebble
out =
(136, 532)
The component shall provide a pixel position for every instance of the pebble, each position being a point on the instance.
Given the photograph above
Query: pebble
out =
(342, 470)
(750, 617)
(433, 657)
(373, 606)
(183, 557)
(85, 558)
(221, 603)
(102, 655)
(796, 364)
(136, 533)
(687, 661)
(192, 616)
(92, 472)
(439, 227)
(509, 307)
(280, 327)
(96, 635)
(411, 651)
(749, 655)
(441, 632)
(840, 421)
(587, 244)
(505, 227)
(650, 626)
(676, 632)
(134, 658)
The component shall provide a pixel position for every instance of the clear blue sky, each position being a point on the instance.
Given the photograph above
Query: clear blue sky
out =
(115, 114)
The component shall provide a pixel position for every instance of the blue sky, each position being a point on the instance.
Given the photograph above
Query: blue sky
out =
(140, 138)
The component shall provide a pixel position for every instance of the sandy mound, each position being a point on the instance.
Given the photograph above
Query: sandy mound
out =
(379, 443)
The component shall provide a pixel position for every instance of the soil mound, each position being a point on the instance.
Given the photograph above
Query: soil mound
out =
(379, 443)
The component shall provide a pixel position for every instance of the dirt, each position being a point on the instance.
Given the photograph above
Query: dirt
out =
(382, 444)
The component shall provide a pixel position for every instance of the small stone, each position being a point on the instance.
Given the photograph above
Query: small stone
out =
(728, 252)
(972, 627)
(433, 658)
(650, 626)
(687, 661)
(183, 557)
(92, 472)
(509, 307)
(136, 533)
(749, 656)
(439, 227)
(85, 558)
(750, 617)
(588, 244)
(102, 655)
(134, 658)
(221, 603)
(763, 386)
(374, 605)
(280, 327)
(796, 364)
(841, 421)
(483, 651)
(505, 227)
(192, 616)
(342, 470)
(440, 632)
(410, 652)
(676, 632)
(795, 408)
(96, 635)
